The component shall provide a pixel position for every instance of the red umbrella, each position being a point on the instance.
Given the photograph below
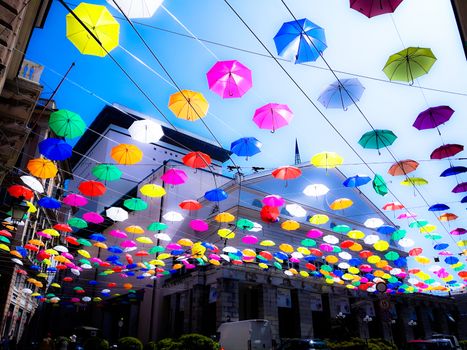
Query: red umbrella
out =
(403, 167)
(462, 187)
(415, 251)
(393, 206)
(18, 191)
(197, 160)
(446, 151)
(371, 8)
(31, 247)
(190, 204)
(286, 172)
(72, 240)
(5, 233)
(92, 188)
(269, 213)
(63, 227)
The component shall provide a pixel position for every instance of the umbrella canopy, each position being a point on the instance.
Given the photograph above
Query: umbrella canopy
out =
(152, 190)
(379, 185)
(393, 206)
(315, 190)
(438, 207)
(19, 191)
(116, 214)
(454, 170)
(92, 188)
(190, 204)
(246, 147)
(49, 203)
(377, 139)
(447, 217)
(174, 177)
(145, 131)
(458, 231)
(135, 204)
(342, 94)
(42, 168)
(300, 41)
(229, 79)
(126, 154)
(106, 172)
(55, 149)
(137, 8)
(356, 181)
(75, 200)
(197, 160)
(93, 218)
(32, 183)
(77, 222)
(286, 172)
(341, 204)
(371, 8)
(67, 124)
(273, 116)
(446, 151)
(409, 64)
(459, 188)
(327, 160)
(403, 167)
(100, 22)
(216, 195)
(188, 105)
(414, 181)
(433, 117)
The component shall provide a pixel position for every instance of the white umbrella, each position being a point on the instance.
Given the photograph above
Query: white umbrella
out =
(61, 248)
(17, 261)
(145, 131)
(86, 299)
(27, 291)
(373, 223)
(163, 237)
(256, 227)
(137, 8)
(371, 239)
(116, 214)
(173, 216)
(331, 239)
(32, 183)
(406, 242)
(296, 210)
(316, 190)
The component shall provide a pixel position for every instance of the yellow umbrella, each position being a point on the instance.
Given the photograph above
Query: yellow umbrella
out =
(84, 253)
(100, 245)
(56, 285)
(224, 217)
(31, 207)
(144, 240)
(52, 232)
(290, 225)
(51, 251)
(4, 247)
(373, 259)
(381, 245)
(303, 250)
(188, 105)
(226, 233)
(319, 219)
(414, 181)
(286, 248)
(36, 242)
(428, 228)
(100, 22)
(42, 168)
(267, 243)
(185, 242)
(341, 204)
(422, 259)
(134, 229)
(356, 234)
(126, 154)
(151, 190)
(164, 256)
(326, 160)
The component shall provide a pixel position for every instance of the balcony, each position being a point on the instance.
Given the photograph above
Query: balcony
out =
(30, 71)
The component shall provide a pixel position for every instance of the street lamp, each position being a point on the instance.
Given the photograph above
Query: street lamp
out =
(18, 210)
(367, 319)
(340, 315)
(412, 323)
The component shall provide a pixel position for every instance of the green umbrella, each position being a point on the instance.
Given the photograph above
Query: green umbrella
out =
(336, 249)
(156, 249)
(399, 234)
(107, 172)
(391, 256)
(84, 261)
(433, 236)
(379, 185)
(376, 139)
(67, 124)
(157, 226)
(136, 204)
(84, 242)
(341, 228)
(77, 222)
(245, 224)
(277, 265)
(4, 239)
(418, 224)
(308, 242)
(409, 64)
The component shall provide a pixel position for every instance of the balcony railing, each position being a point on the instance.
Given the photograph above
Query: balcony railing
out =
(31, 71)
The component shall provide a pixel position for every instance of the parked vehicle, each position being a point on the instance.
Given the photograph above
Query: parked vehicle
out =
(303, 344)
(246, 335)
(452, 338)
(430, 344)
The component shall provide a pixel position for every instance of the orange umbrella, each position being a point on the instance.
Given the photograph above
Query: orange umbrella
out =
(403, 167)
(42, 168)
(190, 204)
(448, 217)
(188, 105)
(197, 160)
(126, 154)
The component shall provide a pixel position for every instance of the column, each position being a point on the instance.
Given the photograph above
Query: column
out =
(270, 308)
(198, 304)
(227, 301)
(306, 315)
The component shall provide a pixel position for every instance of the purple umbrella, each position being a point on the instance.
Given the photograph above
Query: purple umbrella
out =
(371, 8)
(446, 151)
(458, 231)
(229, 79)
(75, 200)
(433, 117)
(462, 187)
(272, 116)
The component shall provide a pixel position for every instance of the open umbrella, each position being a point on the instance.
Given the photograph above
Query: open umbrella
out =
(286, 172)
(106, 172)
(403, 167)
(446, 151)
(315, 190)
(126, 154)
(433, 117)
(75, 200)
(92, 188)
(188, 105)
(409, 64)
(414, 181)
(342, 94)
(454, 170)
(216, 195)
(273, 116)
(371, 8)
(135, 204)
(137, 8)
(197, 160)
(42, 168)
(32, 183)
(190, 204)
(438, 207)
(93, 218)
(246, 147)
(116, 214)
(49, 203)
(379, 185)
(447, 217)
(300, 41)
(229, 79)
(326, 160)
(174, 177)
(152, 190)
(341, 204)
(19, 191)
(55, 149)
(100, 22)
(377, 139)
(77, 223)
(145, 131)
(67, 124)
(356, 181)
(459, 188)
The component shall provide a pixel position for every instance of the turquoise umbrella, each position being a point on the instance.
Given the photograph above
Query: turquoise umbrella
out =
(377, 139)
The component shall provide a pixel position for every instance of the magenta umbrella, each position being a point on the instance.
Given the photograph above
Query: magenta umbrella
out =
(229, 79)
(433, 117)
(173, 246)
(43, 234)
(199, 225)
(250, 239)
(273, 200)
(371, 8)
(118, 234)
(174, 177)
(75, 200)
(314, 233)
(458, 231)
(462, 187)
(326, 247)
(273, 116)
(407, 216)
(93, 218)
(128, 244)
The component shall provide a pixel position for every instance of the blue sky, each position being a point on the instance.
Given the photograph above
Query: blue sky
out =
(356, 45)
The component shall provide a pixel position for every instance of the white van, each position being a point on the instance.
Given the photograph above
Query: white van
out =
(246, 335)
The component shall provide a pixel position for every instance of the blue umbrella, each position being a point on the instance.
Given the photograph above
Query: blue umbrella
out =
(464, 200)
(215, 195)
(451, 260)
(342, 94)
(441, 246)
(400, 262)
(98, 237)
(21, 250)
(300, 41)
(438, 207)
(356, 181)
(281, 256)
(93, 282)
(355, 262)
(55, 149)
(386, 229)
(454, 170)
(246, 147)
(49, 203)
(115, 249)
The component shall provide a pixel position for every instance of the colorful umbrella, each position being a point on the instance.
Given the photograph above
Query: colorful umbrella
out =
(447, 217)
(190, 204)
(458, 231)
(55, 149)
(438, 207)
(341, 204)
(273, 116)
(32, 183)
(224, 217)
(379, 185)
(116, 214)
(92, 188)
(371, 8)
(409, 64)
(393, 206)
(106, 172)
(377, 139)
(136, 204)
(174, 177)
(273, 201)
(137, 8)
(315, 190)
(356, 181)
(246, 147)
(269, 214)
(286, 172)
(199, 225)
(152, 190)
(342, 94)
(49, 203)
(327, 160)
(93, 218)
(454, 170)
(300, 41)
(42, 168)
(446, 151)
(19, 191)
(173, 216)
(126, 154)
(145, 131)
(229, 79)
(77, 222)
(197, 160)
(433, 117)
(188, 105)
(100, 22)
(75, 200)
(459, 188)
(216, 195)
(403, 167)
(414, 181)
(63, 227)
(67, 124)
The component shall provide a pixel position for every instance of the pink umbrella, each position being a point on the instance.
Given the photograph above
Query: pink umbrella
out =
(250, 239)
(214, 257)
(75, 200)
(407, 216)
(173, 246)
(294, 260)
(229, 79)
(75, 300)
(128, 244)
(68, 256)
(458, 231)
(445, 253)
(174, 177)
(118, 234)
(314, 233)
(95, 260)
(93, 218)
(199, 225)
(326, 247)
(273, 116)
(43, 234)
(441, 273)
(273, 200)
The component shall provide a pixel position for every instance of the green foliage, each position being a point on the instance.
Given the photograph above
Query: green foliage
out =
(152, 345)
(169, 344)
(96, 343)
(463, 344)
(188, 342)
(61, 340)
(129, 343)
(358, 343)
